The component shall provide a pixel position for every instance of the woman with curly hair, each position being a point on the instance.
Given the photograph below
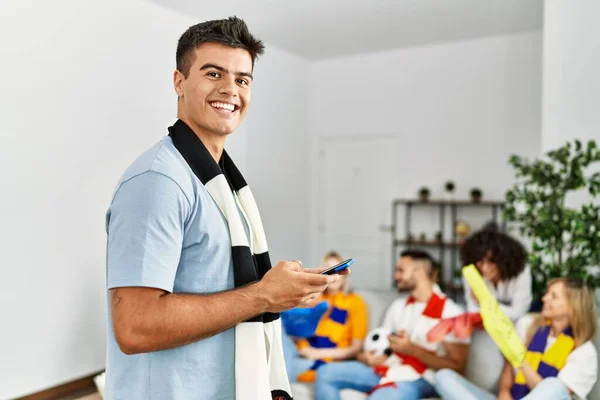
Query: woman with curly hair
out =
(501, 260)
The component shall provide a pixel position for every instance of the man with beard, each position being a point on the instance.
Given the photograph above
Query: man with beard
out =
(406, 371)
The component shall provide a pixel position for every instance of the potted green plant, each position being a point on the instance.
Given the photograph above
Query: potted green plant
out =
(476, 195)
(423, 237)
(438, 236)
(564, 238)
(458, 277)
(450, 187)
(424, 193)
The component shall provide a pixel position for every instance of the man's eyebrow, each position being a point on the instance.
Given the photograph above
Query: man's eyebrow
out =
(219, 68)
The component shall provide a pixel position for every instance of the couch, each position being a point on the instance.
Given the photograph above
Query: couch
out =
(483, 367)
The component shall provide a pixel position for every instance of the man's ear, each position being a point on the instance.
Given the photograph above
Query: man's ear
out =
(178, 80)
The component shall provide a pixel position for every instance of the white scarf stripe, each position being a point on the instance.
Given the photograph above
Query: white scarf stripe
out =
(249, 204)
(251, 370)
(221, 193)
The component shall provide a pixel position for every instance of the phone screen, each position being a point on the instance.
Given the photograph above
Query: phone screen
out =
(336, 268)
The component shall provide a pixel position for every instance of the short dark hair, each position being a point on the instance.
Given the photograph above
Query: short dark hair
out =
(419, 255)
(500, 248)
(231, 32)
(422, 255)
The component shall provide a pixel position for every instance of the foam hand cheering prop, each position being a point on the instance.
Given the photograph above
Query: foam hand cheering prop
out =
(302, 322)
(495, 322)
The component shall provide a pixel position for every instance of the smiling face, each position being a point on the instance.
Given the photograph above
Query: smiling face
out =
(405, 274)
(556, 302)
(489, 270)
(215, 95)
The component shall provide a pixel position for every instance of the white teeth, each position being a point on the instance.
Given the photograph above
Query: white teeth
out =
(224, 106)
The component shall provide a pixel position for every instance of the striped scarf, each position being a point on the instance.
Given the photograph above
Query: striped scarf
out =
(401, 367)
(548, 362)
(260, 372)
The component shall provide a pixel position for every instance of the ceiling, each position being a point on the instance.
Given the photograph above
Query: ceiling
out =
(318, 29)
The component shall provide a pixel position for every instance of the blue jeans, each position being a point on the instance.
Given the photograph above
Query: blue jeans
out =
(333, 377)
(450, 385)
(294, 363)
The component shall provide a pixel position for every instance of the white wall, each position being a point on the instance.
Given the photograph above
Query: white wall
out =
(278, 140)
(571, 83)
(457, 109)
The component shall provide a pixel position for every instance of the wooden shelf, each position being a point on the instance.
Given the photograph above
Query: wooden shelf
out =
(448, 245)
(441, 202)
(451, 287)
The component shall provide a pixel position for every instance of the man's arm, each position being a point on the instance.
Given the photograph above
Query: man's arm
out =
(456, 358)
(146, 319)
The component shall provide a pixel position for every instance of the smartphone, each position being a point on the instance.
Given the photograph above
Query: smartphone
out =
(337, 268)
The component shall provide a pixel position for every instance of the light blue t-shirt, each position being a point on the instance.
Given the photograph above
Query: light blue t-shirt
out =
(165, 231)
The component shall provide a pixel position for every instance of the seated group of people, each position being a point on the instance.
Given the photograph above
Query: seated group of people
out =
(561, 361)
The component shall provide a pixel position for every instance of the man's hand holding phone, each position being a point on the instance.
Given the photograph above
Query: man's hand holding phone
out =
(288, 285)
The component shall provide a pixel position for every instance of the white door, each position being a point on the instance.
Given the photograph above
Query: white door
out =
(357, 181)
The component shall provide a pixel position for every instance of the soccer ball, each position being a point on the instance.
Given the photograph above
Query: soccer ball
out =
(377, 341)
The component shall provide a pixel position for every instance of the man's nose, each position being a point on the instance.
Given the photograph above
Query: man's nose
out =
(228, 87)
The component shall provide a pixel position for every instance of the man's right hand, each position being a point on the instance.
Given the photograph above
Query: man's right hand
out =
(288, 285)
(369, 358)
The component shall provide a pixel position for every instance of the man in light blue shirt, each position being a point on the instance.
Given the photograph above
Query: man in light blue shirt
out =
(172, 302)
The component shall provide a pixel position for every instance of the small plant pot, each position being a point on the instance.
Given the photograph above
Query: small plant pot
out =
(476, 195)
(450, 187)
(424, 193)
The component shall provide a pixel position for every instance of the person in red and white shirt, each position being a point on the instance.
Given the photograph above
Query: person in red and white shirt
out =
(406, 373)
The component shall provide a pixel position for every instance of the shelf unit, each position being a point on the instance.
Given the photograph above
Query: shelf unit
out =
(452, 244)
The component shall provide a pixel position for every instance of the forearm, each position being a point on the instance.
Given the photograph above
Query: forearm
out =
(531, 377)
(338, 354)
(506, 379)
(434, 361)
(173, 320)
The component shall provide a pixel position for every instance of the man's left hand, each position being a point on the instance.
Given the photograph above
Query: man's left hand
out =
(401, 343)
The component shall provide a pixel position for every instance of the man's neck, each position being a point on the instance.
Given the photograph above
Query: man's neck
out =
(422, 292)
(213, 143)
(558, 325)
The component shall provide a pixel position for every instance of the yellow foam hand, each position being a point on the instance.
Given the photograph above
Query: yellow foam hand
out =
(495, 322)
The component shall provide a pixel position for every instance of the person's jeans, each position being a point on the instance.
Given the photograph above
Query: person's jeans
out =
(294, 363)
(452, 386)
(333, 377)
